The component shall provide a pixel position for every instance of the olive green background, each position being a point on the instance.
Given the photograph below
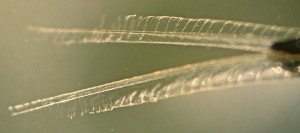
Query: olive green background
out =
(30, 69)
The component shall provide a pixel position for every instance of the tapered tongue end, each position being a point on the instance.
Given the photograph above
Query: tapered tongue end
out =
(291, 46)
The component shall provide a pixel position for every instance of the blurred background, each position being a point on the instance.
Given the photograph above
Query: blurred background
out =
(30, 70)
